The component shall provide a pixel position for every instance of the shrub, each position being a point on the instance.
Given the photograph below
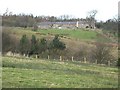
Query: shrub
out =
(9, 42)
(42, 45)
(57, 44)
(102, 53)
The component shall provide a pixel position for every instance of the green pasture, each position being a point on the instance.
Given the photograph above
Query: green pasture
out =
(38, 73)
(77, 34)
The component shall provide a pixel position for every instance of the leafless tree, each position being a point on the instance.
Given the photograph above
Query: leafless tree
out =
(102, 53)
(91, 14)
(91, 17)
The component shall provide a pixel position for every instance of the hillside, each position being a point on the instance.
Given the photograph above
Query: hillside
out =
(38, 73)
(78, 34)
(80, 43)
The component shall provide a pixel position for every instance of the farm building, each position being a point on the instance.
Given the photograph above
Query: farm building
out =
(67, 24)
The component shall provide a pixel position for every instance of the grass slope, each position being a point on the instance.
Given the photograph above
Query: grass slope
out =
(80, 34)
(75, 34)
(37, 73)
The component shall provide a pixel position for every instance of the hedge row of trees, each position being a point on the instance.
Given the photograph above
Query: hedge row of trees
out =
(110, 25)
(20, 20)
(23, 20)
(29, 46)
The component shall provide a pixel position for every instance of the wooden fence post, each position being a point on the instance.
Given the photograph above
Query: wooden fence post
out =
(36, 56)
(108, 63)
(72, 58)
(48, 57)
(96, 61)
(60, 58)
(27, 56)
(24, 55)
(84, 59)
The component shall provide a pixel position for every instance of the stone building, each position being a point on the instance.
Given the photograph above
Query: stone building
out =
(67, 24)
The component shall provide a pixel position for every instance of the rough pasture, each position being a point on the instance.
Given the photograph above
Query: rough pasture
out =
(38, 73)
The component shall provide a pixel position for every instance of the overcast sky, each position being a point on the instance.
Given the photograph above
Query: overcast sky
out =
(106, 8)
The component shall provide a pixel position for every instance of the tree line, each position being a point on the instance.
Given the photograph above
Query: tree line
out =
(30, 46)
(23, 20)
(109, 25)
(36, 46)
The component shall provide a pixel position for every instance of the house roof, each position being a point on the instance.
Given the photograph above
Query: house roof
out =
(63, 23)
(59, 23)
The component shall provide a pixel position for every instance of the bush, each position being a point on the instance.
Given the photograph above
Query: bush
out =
(35, 27)
(9, 42)
(102, 53)
(42, 45)
(57, 44)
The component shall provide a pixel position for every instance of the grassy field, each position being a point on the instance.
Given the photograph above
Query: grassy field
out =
(72, 34)
(80, 34)
(37, 73)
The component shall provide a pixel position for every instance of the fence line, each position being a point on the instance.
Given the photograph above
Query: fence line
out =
(61, 58)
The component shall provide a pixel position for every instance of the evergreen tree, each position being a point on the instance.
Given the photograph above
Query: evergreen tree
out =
(24, 45)
(33, 44)
(42, 45)
(57, 44)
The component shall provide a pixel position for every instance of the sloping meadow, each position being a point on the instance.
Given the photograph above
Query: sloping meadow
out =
(38, 73)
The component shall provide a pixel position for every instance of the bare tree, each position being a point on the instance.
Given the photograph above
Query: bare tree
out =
(91, 18)
(102, 53)
(91, 14)
(6, 12)
(65, 17)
